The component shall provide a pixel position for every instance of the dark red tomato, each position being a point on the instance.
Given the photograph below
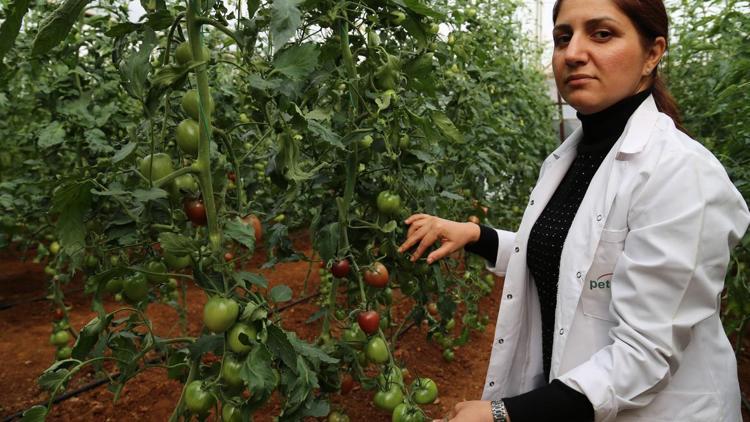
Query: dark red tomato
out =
(196, 212)
(340, 268)
(347, 383)
(377, 275)
(369, 321)
(232, 176)
(257, 227)
(59, 314)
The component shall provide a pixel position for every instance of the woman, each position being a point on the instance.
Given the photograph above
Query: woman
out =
(613, 279)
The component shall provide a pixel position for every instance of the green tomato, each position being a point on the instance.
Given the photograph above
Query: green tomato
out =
(389, 399)
(113, 286)
(230, 413)
(388, 203)
(91, 262)
(407, 413)
(64, 353)
(59, 338)
(448, 355)
(184, 53)
(233, 337)
(157, 166)
(424, 390)
(54, 247)
(354, 336)
(337, 417)
(376, 350)
(230, 372)
(159, 269)
(185, 182)
(365, 142)
(397, 17)
(188, 136)
(175, 262)
(135, 287)
(197, 399)
(191, 104)
(451, 324)
(220, 313)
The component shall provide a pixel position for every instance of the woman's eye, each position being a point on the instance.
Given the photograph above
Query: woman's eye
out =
(602, 35)
(561, 39)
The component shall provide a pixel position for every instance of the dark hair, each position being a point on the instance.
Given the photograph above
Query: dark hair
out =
(651, 21)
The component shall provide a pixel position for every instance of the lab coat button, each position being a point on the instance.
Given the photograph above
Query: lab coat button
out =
(492, 383)
(509, 296)
(500, 341)
(562, 331)
(578, 274)
(517, 249)
(531, 202)
(599, 217)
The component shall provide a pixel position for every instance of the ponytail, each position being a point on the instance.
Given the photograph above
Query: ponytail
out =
(665, 102)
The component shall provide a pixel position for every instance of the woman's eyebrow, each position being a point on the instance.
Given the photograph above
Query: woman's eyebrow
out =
(589, 24)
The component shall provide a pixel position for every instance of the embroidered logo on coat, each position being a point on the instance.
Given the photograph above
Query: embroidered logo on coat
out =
(601, 282)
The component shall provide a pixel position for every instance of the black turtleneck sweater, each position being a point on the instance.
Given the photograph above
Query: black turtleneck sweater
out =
(600, 132)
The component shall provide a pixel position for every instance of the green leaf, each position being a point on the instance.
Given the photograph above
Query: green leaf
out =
(279, 345)
(253, 312)
(88, 337)
(419, 8)
(242, 233)
(446, 126)
(327, 241)
(72, 202)
(149, 195)
(122, 29)
(49, 380)
(451, 195)
(281, 293)
(325, 133)
(134, 69)
(177, 244)
(56, 26)
(314, 354)
(14, 13)
(243, 277)
(36, 413)
(298, 61)
(125, 152)
(205, 344)
(285, 20)
(257, 372)
(53, 134)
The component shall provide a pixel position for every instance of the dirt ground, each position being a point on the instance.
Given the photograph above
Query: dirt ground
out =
(25, 329)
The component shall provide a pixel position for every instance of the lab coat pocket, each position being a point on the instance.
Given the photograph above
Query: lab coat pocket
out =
(597, 289)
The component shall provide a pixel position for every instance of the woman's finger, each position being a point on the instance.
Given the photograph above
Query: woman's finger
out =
(427, 240)
(415, 234)
(414, 217)
(445, 249)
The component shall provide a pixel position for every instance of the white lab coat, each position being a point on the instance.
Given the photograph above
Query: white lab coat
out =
(637, 326)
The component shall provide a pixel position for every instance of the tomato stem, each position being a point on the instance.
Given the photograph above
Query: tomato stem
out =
(204, 122)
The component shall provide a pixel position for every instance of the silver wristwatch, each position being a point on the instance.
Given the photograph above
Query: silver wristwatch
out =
(499, 414)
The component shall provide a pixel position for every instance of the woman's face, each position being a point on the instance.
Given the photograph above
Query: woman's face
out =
(598, 58)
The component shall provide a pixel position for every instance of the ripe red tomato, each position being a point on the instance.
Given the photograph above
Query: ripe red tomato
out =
(340, 268)
(228, 256)
(232, 176)
(255, 221)
(347, 383)
(59, 314)
(377, 275)
(369, 321)
(196, 212)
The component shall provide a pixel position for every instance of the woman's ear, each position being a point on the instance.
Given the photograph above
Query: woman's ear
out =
(654, 55)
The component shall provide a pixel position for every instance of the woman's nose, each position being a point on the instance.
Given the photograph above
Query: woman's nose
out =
(576, 52)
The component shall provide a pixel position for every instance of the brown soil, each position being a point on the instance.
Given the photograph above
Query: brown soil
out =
(25, 329)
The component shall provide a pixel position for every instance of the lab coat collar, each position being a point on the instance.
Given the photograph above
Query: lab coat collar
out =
(635, 134)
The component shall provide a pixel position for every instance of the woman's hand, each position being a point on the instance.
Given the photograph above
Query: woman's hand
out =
(426, 229)
(470, 411)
